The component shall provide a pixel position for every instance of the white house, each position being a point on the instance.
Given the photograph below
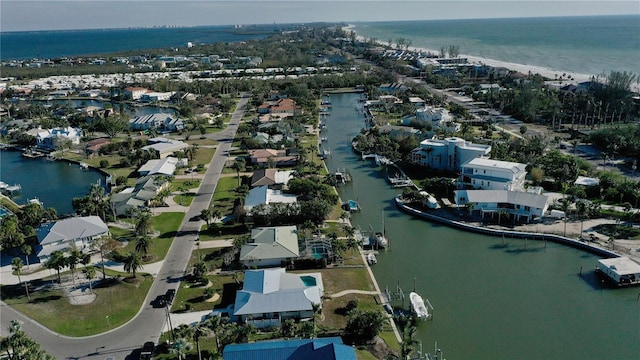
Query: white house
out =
(134, 93)
(448, 154)
(487, 174)
(518, 204)
(271, 296)
(436, 116)
(166, 166)
(156, 96)
(159, 121)
(145, 191)
(165, 147)
(48, 138)
(264, 195)
(270, 246)
(77, 232)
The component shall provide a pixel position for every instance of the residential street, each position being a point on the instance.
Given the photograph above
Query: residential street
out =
(148, 323)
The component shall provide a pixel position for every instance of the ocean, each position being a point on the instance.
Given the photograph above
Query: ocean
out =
(590, 45)
(55, 44)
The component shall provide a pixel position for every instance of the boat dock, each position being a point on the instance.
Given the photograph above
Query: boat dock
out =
(9, 190)
(342, 176)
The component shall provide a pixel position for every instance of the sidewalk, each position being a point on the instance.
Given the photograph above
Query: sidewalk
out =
(37, 271)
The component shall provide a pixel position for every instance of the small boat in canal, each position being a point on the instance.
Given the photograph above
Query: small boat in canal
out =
(417, 306)
(371, 259)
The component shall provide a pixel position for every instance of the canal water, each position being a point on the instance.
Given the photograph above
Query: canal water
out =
(492, 298)
(55, 183)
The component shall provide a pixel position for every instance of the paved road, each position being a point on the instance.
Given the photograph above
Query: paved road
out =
(120, 343)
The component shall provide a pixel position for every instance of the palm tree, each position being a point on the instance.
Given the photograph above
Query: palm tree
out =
(181, 347)
(206, 214)
(582, 211)
(16, 265)
(142, 245)
(143, 223)
(163, 194)
(26, 250)
(104, 246)
(214, 323)
(132, 263)
(56, 261)
(470, 207)
(239, 165)
(183, 189)
(72, 262)
(199, 330)
(90, 274)
(408, 341)
(199, 270)
(96, 194)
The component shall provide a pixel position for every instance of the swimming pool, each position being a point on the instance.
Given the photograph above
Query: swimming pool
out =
(4, 212)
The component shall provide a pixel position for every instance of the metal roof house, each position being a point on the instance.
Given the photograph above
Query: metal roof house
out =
(160, 121)
(166, 166)
(164, 147)
(331, 348)
(270, 296)
(76, 232)
(264, 195)
(140, 196)
(270, 246)
(518, 204)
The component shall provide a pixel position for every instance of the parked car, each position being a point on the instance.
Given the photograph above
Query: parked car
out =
(170, 294)
(147, 351)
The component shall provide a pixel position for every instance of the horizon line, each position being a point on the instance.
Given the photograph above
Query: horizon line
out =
(168, 26)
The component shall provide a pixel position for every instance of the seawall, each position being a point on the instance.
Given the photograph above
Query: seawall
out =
(508, 233)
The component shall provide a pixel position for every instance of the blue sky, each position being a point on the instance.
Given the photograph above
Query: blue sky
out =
(22, 15)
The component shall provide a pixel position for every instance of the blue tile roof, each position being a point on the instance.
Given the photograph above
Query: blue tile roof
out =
(330, 348)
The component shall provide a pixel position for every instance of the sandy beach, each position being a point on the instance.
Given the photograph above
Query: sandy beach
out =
(522, 68)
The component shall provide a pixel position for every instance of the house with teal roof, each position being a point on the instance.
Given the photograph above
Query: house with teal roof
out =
(331, 348)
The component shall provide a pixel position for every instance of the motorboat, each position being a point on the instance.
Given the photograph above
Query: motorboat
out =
(417, 305)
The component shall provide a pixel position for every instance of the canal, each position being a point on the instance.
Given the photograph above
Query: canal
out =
(55, 183)
(492, 298)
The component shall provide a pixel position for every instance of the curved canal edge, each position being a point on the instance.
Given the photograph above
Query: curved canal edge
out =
(508, 233)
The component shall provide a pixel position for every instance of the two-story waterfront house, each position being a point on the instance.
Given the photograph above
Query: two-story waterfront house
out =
(487, 174)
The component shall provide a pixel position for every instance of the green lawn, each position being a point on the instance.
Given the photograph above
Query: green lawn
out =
(51, 309)
(203, 156)
(167, 223)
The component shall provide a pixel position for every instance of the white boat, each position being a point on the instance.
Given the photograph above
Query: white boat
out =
(380, 240)
(417, 305)
(371, 258)
(35, 201)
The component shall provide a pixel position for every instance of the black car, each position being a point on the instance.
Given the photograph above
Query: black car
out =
(170, 294)
(147, 350)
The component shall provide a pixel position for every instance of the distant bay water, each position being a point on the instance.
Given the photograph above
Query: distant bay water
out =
(589, 45)
(55, 44)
